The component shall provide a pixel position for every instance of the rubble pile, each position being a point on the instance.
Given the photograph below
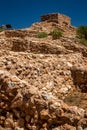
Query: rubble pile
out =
(25, 106)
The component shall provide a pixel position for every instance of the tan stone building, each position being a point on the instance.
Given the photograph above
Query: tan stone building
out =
(56, 17)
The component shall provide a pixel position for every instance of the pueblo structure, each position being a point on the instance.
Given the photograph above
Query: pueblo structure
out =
(56, 17)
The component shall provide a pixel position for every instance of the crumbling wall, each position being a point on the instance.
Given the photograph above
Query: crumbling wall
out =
(50, 17)
(56, 17)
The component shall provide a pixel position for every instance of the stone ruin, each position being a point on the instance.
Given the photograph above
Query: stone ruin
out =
(56, 17)
(58, 21)
(43, 82)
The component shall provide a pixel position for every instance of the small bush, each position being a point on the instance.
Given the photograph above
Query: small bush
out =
(82, 32)
(83, 41)
(56, 34)
(1, 29)
(42, 35)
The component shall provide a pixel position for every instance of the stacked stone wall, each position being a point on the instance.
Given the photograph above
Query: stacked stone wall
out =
(56, 17)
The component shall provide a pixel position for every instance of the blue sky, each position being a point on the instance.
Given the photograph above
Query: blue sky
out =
(22, 13)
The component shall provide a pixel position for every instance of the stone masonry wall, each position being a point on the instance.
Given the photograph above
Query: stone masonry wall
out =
(56, 17)
(50, 17)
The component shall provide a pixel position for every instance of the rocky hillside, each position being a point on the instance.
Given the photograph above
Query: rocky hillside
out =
(43, 82)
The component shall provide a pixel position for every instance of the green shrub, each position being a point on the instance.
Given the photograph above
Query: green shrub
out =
(56, 34)
(1, 29)
(82, 32)
(83, 41)
(42, 35)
